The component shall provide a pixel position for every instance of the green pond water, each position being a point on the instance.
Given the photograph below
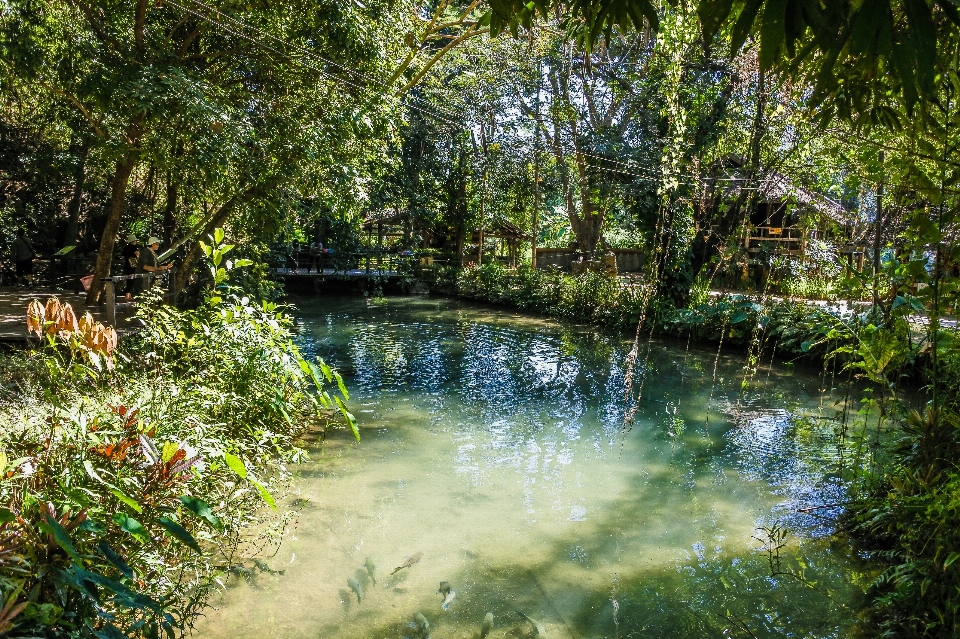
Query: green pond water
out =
(494, 444)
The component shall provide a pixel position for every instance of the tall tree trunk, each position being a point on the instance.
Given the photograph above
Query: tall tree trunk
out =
(73, 208)
(118, 195)
(169, 210)
(217, 220)
(586, 223)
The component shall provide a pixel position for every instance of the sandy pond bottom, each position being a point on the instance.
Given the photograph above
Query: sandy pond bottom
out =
(494, 444)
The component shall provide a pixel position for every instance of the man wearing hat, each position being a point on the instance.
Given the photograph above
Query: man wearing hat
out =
(148, 262)
(131, 258)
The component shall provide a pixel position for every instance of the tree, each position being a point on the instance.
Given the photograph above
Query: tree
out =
(188, 89)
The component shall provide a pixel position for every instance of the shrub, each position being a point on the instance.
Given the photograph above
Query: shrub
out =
(125, 492)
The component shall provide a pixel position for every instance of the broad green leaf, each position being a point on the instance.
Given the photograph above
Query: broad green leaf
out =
(341, 386)
(6, 515)
(744, 24)
(264, 493)
(348, 416)
(772, 31)
(108, 631)
(952, 557)
(311, 369)
(123, 595)
(327, 371)
(115, 559)
(179, 532)
(90, 471)
(129, 501)
(91, 525)
(132, 526)
(201, 509)
(168, 451)
(236, 465)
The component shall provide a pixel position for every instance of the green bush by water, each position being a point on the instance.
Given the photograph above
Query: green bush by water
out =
(125, 493)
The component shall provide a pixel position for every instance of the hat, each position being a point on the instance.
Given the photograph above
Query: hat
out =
(153, 240)
(131, 239)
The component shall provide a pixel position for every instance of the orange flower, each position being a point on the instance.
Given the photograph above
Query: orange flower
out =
(67, 321)
(58, 318)
(35, 318)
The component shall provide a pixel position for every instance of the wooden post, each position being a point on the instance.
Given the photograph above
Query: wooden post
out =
(379, 248)
(878, 235)
(172, 285)
(110, 298)
(536, 175)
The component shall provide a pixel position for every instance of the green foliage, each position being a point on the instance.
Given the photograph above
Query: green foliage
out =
(909, 526)
(590, 297)
(124, 497)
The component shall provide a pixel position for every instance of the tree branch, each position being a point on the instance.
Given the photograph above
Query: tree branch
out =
(140, 17)
(469, 33)
(95, 25)
(76, 102)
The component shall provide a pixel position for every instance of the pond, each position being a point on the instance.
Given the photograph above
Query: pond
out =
(495, 445)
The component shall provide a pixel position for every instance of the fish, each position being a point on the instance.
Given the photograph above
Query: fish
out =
(263, 567)
(540, 632)
(244, 573)
(371, 570)
(448, 594)
(487, 625)
(409, 561)
(355, 586)
(422, 624)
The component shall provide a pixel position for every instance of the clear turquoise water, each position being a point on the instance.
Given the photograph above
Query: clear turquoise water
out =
(494, 443)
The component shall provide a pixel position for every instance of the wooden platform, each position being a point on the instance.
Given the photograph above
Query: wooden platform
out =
(350, 274)
(13, 311)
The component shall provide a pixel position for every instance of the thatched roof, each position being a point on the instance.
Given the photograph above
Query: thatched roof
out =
(774, 185)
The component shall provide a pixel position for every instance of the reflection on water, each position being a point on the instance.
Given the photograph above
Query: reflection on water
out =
(494, 444)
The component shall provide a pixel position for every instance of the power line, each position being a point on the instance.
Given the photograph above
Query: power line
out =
(430, 112)
(312, 54)
(334, 77)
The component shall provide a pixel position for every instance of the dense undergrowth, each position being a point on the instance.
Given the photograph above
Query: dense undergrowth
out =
(132, 480)
(795, 328)
(903, 516)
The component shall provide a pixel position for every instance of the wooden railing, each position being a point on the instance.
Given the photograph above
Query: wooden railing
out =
(110, 289)
(786, 239)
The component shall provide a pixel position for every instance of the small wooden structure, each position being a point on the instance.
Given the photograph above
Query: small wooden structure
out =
(627, 260)
(501, 239)
(788, 216)
(507, 238)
